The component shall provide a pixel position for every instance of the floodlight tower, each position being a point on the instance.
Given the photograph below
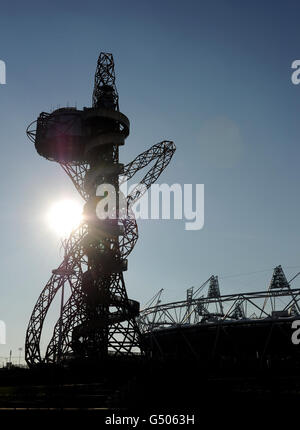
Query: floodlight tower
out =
(98, 318)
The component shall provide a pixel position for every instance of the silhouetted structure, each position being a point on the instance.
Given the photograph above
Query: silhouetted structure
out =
(97, 319)
(245, 330)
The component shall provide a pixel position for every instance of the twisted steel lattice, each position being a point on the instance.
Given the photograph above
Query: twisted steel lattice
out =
(121, 334)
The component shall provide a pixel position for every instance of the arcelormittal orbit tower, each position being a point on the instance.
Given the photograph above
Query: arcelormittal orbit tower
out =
(97, 319)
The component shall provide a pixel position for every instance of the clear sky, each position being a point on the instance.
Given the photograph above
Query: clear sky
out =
(215, 77)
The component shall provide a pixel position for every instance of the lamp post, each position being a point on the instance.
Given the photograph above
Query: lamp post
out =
(20, 350)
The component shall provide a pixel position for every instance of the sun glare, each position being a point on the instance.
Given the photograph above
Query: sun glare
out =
(64, 216)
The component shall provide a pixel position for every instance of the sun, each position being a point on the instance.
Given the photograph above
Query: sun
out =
(64, 216)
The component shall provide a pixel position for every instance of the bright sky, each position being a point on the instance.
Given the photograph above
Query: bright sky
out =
(215, 77)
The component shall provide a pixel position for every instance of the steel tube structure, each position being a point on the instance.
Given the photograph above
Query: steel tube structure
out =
(98, 318)
(198, 311)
